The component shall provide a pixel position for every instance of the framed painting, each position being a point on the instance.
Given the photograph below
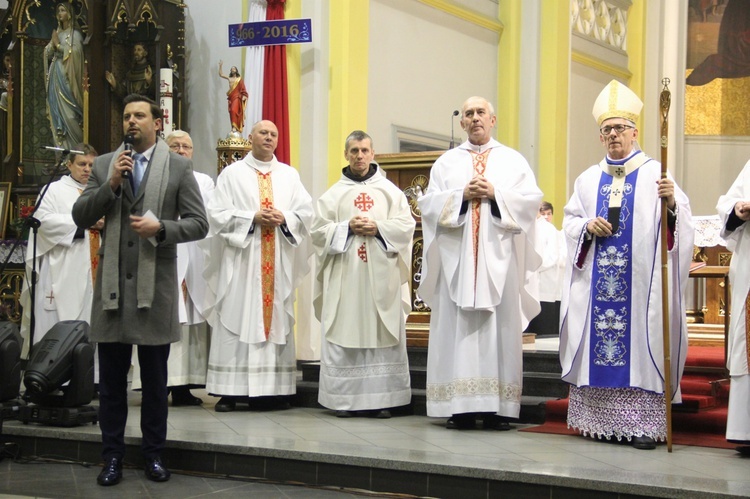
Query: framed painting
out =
(717, 79)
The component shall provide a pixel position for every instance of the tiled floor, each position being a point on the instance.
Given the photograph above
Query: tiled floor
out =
(74, 480)
(410, 440)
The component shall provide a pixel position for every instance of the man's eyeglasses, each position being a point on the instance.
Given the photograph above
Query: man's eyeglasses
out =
(605, 130)
(177, 147)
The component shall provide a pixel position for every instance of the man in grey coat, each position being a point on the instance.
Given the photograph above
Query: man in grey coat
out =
(150, 202)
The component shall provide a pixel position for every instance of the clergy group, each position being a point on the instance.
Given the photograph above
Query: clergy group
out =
(479, 274)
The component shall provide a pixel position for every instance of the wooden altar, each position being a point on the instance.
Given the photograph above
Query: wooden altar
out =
(709, 286)
(411, 172)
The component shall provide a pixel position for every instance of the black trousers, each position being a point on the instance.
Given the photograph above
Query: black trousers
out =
(114, 364)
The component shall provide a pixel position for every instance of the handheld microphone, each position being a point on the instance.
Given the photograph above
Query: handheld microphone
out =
(453, 139)
(60, 149)
(128, 143)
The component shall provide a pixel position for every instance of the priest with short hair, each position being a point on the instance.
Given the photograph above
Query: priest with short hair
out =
(257, 253)
(478, 274)
(363, 236)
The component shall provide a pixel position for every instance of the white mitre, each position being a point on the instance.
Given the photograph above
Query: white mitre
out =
(616, 101)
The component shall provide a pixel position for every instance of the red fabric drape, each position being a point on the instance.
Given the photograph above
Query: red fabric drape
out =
(275, 96)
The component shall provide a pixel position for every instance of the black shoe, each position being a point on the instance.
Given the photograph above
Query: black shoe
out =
(744, 450)
(111, 474)
(156, 471)
(466, 421)
(494, 422)
(181, 396)
(225, 404)
(644, 443)
(282, 403)
(382, 414)
(344, 414)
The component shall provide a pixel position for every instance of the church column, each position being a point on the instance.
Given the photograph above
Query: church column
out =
(554, 78)
(508, 73)
(349, 72)
(293, 10)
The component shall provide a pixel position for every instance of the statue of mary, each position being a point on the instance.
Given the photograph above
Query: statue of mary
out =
(63, 58)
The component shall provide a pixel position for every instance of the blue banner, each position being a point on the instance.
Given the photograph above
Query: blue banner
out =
(270, 33)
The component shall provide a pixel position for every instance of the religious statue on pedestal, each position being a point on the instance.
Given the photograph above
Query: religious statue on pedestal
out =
(236, 98)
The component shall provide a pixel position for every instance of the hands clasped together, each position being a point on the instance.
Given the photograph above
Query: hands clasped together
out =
(479, 188)
(363, 226)
(270, 217)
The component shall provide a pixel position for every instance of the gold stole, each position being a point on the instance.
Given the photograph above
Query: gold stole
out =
(747, 325)
(480, 165)
(94, 242)
(267, 251)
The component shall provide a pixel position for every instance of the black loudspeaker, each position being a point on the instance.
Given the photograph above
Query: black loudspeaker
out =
(10, 361)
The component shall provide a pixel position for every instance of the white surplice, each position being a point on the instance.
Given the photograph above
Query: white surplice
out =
(478, 312)
(643, 347)
(242, 361)
(549, 243)
(738, 241)
(362, 295)
(188, 358)
(64, 288)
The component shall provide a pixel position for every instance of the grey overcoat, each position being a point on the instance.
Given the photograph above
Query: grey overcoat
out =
(184, 218)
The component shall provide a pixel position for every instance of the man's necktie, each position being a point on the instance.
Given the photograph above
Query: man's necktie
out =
(139, 167)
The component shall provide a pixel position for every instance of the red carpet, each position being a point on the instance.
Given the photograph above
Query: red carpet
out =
(699, 421)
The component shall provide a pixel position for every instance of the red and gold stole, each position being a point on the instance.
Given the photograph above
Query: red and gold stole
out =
(480, 165)
(267, 251)
(94, 241)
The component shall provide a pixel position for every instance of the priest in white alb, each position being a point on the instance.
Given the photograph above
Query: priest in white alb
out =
(611, 337)
(478, 274)
(734, 210)
(66, 256)
(362, 234)
(257, 252)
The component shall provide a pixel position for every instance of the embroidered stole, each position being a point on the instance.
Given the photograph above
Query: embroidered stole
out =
(267, 252)
(479, 160)
(747, 325)
(94, 242)
(611, 283)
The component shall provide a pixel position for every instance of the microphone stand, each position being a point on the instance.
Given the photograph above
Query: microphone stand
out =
(33, 223)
